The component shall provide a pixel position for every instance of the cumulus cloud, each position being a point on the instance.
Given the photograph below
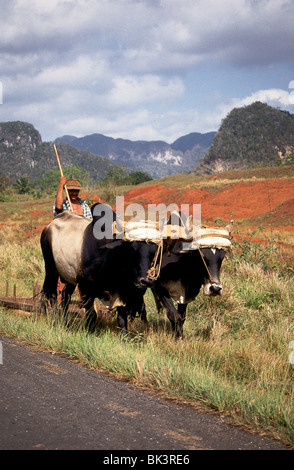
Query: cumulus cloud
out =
(122, 67)
(273, 97)
(131, 91)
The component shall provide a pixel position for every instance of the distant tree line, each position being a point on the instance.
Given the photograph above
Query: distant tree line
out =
(120, 175)
(117, 176)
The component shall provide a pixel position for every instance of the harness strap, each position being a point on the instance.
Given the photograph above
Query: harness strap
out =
(209, 275)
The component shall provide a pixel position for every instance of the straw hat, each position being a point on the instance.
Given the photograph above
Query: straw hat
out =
(73, 184)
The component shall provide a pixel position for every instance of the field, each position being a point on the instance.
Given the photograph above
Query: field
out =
(235, 358)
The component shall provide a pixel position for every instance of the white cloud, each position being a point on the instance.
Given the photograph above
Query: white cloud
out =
(131, 91)
(120, 67)
(82, 70)
(273, 97)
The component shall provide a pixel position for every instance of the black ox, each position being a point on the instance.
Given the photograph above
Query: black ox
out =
(105, 266)
(184, 272)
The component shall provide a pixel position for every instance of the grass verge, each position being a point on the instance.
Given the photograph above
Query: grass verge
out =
(233, 359)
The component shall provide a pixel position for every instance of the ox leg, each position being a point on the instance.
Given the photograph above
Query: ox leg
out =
(182, 308)
(143, 313)
(158, 302)
(122, 320)
(175, 320)
(173, 315)
(49, 291)
(91, 315)
(87, 302)
(66, 297)
(139, 308)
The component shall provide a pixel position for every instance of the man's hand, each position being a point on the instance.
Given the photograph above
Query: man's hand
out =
(62, 181)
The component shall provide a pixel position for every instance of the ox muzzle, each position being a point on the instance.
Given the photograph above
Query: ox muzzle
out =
(212, 288)
(144, 282)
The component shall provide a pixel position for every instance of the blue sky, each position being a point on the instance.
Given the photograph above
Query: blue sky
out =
(142, 69)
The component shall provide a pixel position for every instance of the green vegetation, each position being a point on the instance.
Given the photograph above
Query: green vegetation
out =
(23, 154)
(120, 175)
(50, 181)
(23, 185)
(116, 181)
(234, 358)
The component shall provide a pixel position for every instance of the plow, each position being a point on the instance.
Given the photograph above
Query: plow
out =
(33, 304)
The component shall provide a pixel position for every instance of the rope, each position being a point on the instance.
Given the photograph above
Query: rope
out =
(209, 275)
(148, 232)
(151, 273)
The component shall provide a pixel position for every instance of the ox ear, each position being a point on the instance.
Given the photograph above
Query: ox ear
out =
(161, 224)
(119, 225)
(230, 227)
(112, 244)
(172, 245)
(189, 225)
(178, 246)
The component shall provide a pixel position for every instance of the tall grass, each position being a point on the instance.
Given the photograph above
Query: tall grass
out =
(234, 357)
(20, 263)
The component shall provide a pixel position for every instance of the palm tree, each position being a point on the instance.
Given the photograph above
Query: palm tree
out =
(23, 185)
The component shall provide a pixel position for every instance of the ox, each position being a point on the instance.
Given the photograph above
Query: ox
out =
(188, 267)
(104, 265)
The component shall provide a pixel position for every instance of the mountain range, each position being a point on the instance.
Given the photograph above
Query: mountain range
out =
(253, 136)
(156, 158)
(22, 153)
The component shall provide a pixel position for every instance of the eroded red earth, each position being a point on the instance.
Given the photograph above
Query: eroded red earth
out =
(267, 203)
(240, 200)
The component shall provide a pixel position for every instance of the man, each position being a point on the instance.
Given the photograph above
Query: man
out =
(79, 205)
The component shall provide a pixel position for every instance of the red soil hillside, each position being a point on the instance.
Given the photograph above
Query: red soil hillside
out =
(239, 200)
(267, 200)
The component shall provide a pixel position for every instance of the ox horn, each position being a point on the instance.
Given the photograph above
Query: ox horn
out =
(230, 227)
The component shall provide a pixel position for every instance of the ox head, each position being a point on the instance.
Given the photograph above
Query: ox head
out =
(143, 262)
(212, 259)
(145, 247)
(213, 246)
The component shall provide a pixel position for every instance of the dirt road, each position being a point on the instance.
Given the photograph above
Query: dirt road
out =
(50, 402)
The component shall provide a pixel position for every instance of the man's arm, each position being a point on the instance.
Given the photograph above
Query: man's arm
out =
(59, 197)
